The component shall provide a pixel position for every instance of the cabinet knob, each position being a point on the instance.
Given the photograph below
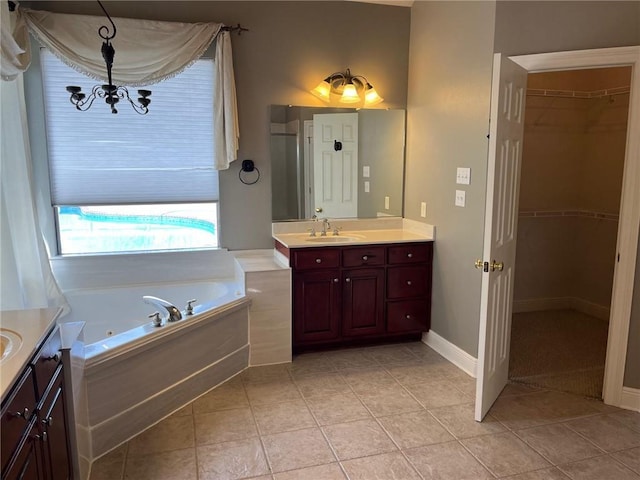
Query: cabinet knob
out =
(365, 258)
(318, 260)
(335, 280)
(408, 282)
(409, 255)
(347, 280)
(48, 421)
(56, 357)
(407, 316)
(44, 436)
(23, 414)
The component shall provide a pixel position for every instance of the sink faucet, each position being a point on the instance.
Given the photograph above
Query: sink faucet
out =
(325, 226)
(172, 312)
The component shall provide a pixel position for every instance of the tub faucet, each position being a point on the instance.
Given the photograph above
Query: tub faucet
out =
(173, 314)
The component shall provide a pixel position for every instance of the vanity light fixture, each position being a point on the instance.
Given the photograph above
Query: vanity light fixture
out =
(351, 88)
(111, 93)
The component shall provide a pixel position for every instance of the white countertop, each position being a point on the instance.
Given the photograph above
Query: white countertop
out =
(347, 238)
(31, 326)
(352, 232)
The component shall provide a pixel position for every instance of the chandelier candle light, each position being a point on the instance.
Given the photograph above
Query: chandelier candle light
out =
(349, 87)
(111, 93)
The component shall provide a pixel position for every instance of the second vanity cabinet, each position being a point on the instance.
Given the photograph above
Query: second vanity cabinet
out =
(360, 294)
(34, 419)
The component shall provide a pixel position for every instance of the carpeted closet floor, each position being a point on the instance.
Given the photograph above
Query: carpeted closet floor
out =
(559, 350)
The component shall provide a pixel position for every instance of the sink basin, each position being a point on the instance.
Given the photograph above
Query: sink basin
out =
(335, 239)
(10, 342)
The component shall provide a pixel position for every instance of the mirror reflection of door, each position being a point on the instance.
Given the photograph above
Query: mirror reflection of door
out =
(335, 170)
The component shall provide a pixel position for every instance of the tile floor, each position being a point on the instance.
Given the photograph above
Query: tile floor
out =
(392, 412)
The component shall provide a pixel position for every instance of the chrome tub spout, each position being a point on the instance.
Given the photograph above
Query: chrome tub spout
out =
(171, 311)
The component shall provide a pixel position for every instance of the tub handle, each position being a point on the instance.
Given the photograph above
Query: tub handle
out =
(155, 317)
(189, 309)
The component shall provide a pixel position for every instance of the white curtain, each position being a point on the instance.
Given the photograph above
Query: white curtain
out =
(32, 284)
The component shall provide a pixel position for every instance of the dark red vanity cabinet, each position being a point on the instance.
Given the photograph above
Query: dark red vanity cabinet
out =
(360, 294)
(35, 440)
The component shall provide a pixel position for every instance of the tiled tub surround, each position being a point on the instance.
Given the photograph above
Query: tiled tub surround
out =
(136, 377)
(393, 412)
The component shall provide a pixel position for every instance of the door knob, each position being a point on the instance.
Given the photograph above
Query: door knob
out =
(319, 209)
(496, 266)
(479, 263)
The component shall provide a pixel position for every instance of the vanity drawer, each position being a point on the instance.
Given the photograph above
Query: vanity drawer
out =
(363, 256)
(16, 412)
(408, 316)
(410, 253)
(47, 360)
(404, 282)
(311, 258)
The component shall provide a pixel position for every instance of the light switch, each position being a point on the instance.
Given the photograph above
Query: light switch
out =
(365, 171)
(460, 198)
(423, 209)
(366, 187)
(463, 176)
(386, 203)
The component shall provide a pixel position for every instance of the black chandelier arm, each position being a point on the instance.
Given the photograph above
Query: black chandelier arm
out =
(104, 28)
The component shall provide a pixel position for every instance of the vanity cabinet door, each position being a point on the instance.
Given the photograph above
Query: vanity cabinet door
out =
(363, 302)
(27, 465)
(52, 417)
(316, 305)
(16, 414)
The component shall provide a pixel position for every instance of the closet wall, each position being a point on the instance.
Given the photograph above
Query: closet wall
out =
(572, 166)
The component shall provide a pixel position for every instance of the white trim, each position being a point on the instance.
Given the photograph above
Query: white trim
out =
(630, 399)
(624, 275)
(451, 352)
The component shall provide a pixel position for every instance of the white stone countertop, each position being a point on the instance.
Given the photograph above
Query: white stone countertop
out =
(27, 329)
(353, 232)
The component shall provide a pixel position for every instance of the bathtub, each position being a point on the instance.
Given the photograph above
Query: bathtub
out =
(116, 316)
(136, 374)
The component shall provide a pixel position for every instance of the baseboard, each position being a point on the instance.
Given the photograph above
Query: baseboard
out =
(630, 399)
(451, 352)
(560, 303)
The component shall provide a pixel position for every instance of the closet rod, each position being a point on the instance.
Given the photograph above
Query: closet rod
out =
(237, 28)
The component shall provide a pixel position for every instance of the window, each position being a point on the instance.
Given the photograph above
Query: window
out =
(130, 182)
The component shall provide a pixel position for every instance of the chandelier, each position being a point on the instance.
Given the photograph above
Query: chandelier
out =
(350, 88)
(112, 94)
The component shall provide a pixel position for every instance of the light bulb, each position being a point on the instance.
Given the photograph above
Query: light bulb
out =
(322, 91)
(349, 94)
(371, 97)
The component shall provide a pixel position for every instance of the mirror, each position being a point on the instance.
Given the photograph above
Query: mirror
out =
(336, 162)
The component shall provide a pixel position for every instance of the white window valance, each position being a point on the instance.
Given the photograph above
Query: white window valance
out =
(147, 52)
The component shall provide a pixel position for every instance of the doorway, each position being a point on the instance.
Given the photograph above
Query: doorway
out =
(575, 130)
(496, 308)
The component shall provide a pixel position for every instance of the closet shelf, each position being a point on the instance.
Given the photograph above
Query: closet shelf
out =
(540, 92)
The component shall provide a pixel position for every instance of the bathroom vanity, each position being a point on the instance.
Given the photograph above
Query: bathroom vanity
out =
(358, 287)
(34, 425)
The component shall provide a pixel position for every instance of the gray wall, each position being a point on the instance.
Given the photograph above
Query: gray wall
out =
(447, 120)
(450, 64)
(290, 47)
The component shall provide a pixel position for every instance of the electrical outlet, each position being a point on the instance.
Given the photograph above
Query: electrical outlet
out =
(423, 209)
(386, 203)
(463, 176)
(460, 198)
(367, 187)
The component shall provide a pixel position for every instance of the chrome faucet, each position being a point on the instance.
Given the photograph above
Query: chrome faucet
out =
(325, 226)
(172, 312)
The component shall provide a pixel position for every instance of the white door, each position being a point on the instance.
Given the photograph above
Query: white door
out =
(335, 164)
(501, 215)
